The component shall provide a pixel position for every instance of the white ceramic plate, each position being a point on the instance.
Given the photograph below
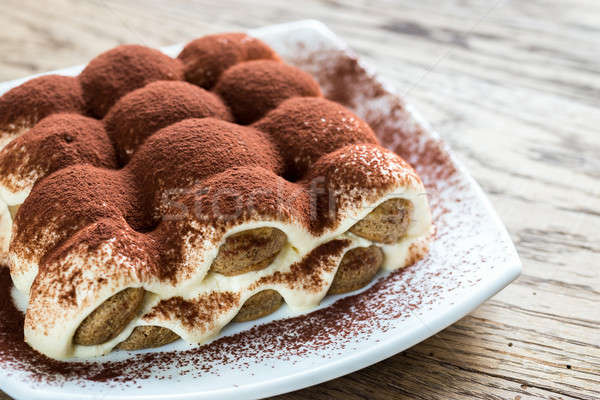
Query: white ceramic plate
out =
(471, 259)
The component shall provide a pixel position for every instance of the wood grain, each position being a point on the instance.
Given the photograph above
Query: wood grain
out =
(514, 87)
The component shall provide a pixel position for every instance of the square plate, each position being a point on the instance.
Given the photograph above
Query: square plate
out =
(471, 258)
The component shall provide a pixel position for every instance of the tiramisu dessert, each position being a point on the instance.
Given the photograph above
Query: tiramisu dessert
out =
(153, 198)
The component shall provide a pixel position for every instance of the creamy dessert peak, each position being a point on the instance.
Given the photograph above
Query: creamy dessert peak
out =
(154, 198)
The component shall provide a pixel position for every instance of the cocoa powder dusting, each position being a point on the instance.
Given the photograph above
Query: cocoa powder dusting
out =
(24, 105)
(196, 312)
(348, 79)
(141, 113)
(98, 195)
(206, 58)
(174, 151)
(69, 200)
(56, 142)
(306, 128)
(306, 274)
(237, 163)
(121, 70)
(253, 88)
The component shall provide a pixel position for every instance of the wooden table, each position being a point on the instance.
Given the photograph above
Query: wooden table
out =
(514, 87)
